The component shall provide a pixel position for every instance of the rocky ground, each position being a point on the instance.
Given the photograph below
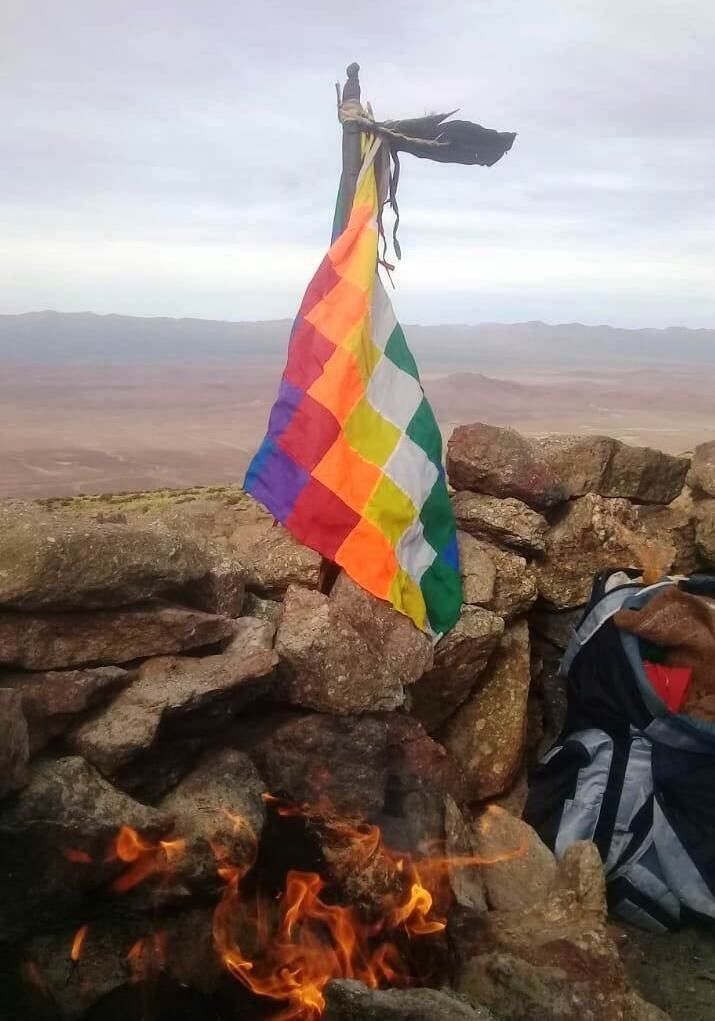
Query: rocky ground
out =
(166, 658)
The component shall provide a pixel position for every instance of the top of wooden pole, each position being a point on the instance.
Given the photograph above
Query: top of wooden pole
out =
(351, 88)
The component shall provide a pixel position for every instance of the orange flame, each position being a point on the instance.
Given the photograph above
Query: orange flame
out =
(78, 942)
(312, 940)
(144, 859)
(147, 956)
(288, 950)
(79, 857)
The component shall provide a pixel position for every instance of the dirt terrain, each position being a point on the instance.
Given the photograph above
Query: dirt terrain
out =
(93, 427)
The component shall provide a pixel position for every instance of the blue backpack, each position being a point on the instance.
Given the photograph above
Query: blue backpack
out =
(627, 773)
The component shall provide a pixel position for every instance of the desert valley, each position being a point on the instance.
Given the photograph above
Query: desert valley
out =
(114, 403)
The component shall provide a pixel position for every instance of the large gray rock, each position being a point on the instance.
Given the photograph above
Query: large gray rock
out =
(459, 660)
(264, 609)
(15, 744)
(182, 951)
(702, 469)
(513, 590)
(486, 736)
(672, 530)
(56, 835)
(320, 759)
(548, 954)
(705, 532)
(221, 589)
(590, 534)
(71, 562)
(507, 522)
(51, 701)
(519, 869)
(57, 641)
(500, 462)
(348, 1000)
(218, 810)
(466, 875)
(171, 688)
(379, 767)
(478, 570)
(348, 653)
(579, 462)
(254, 632)
(273, 560)
(610, 468)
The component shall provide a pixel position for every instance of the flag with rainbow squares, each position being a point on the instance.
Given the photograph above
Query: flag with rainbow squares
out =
(352, 460)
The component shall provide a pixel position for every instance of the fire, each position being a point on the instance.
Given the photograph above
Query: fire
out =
(288, 950)
(147, 956)
(313, 940)
(78, 942)
(143, 858)
(78, 857)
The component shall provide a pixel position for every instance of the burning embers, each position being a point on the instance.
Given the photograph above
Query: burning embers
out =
(375, 915)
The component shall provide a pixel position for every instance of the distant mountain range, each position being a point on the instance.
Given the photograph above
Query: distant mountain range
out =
(83, 336)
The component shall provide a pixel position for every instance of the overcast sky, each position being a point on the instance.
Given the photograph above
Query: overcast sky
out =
(167, 157)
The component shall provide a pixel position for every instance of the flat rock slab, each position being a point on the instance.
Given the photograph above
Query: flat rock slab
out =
(347, 653)
(57, 641)
(15, 743)
(51, 701)
(70, 562)
(610, 468)
(486, 736)
(167, 688)
(459, 660)
(500, 462)
(507, 522)
(351, 1001)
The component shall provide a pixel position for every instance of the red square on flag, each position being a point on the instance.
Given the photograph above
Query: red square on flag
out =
(308, 352)
(321, 520)
(322, 283)
(310, 433)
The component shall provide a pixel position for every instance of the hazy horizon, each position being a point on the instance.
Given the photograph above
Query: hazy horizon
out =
(596, 323)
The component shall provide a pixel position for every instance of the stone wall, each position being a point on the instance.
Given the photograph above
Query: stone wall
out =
(163, 661)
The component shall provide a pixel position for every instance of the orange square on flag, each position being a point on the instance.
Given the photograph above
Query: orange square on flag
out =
(369, 558)
(339, 311)
(348, 474)
(345, 244)
(339, 387)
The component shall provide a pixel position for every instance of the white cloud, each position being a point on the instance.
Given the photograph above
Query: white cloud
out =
(166, 158)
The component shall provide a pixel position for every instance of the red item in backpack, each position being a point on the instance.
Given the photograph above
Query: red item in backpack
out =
(670, 683)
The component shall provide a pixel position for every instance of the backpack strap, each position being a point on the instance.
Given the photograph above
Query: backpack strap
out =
(606, 608)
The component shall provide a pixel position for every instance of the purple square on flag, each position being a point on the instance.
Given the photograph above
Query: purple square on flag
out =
(288, 399)
(278, 481)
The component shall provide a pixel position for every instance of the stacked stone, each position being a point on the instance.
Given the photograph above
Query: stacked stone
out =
(569, 506)
(162, 669)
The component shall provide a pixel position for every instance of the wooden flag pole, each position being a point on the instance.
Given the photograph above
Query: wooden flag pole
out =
(351, 152)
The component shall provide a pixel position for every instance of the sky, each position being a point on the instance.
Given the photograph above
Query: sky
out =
(167, 157)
